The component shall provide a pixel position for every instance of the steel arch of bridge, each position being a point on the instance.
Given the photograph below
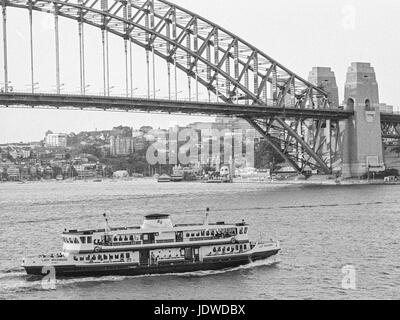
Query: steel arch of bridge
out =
(229, 67)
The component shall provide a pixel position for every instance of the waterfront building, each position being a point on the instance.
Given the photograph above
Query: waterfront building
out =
(121, 146)
(56, 140)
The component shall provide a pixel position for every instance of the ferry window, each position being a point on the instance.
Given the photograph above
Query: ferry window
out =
(125, 238)
(83, 239)
(198, 234)
(187, 235)
(223, 249)
(94, 258)
(196, 251)
(145, 237)
(241, 247)
(89, 239)
(202, 233)
(228, 249)
(128, 255)
(115, 239)
(245, 247)
(99, 257)
(120, 238)
(75, 258)
(215, 249)
(105, 257)
(110, 257)
(207, 233)
(76, 240)
(212, 232)
(182, 252)
(192, 235)
(219, 249)
(116, 256)
(81, 258)
(87, 258)
(237, 247)
(131, 238)
(241, 231)
(245, 230)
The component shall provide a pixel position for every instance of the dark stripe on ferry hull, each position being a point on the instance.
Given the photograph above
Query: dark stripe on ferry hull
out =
(217, 263)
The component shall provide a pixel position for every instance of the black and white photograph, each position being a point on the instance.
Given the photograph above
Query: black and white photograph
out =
(213, 150)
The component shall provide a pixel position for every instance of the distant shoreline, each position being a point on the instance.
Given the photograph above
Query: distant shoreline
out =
(347, 182)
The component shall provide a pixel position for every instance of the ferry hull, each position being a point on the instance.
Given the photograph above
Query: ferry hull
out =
(99, 270)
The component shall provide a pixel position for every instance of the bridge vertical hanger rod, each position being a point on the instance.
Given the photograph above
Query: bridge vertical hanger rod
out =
(274, 85)
(126, 51)
(81, 51)
(108, 64)
(168, 32)
(131, 66)
(216, 61)
(83, 60)
(104, 40)
(236, 67)
(196, 49)
(265, 92)
(255, 73)
(31, 45)
(152, 25)
(188, 60)
(174, 36)
(126, 68)
(147, 56)
(5, 62)
(130, 52)
(57, 43)
(228, 71)
(208, 57)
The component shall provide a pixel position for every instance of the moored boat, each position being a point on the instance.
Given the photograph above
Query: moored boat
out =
(155, 247)
(164, 178)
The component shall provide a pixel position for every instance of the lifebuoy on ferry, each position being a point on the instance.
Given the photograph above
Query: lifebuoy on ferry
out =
(97, 249)
(233, 240)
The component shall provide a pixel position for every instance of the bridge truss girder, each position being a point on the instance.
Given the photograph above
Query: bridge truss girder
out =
(307, 145)
(390, 130)
(229, 67)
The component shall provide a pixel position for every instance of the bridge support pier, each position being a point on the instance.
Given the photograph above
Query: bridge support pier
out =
(362, 146)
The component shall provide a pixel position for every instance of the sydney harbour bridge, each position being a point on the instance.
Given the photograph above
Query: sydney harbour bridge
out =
(300, 118)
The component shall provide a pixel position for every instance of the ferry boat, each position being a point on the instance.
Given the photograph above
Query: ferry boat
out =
(155, 247)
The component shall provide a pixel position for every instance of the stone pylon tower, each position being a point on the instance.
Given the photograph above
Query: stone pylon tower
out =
(362, 147)
(325, 78)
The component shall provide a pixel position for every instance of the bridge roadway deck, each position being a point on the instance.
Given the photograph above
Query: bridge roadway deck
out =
(109, 103)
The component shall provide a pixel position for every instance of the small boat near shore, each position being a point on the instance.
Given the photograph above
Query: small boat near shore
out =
(156, 247)
(164, 178)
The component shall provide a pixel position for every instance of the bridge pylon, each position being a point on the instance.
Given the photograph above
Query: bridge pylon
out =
(362, 146)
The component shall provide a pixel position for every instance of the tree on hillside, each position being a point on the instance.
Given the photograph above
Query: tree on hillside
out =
(266, 156)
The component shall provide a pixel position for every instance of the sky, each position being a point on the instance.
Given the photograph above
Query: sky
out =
(298, 34)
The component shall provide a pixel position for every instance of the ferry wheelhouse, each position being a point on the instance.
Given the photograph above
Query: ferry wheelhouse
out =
(155, 247)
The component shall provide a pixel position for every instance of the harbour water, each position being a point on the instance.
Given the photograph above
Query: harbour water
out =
(321, 229)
